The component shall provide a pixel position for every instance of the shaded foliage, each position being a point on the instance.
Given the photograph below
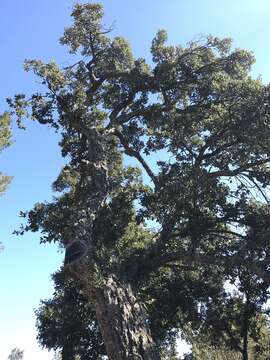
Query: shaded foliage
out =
(67, 322)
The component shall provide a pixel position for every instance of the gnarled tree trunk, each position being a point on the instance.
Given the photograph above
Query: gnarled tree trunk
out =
(123, 322)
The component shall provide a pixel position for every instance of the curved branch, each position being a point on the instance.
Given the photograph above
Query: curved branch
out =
(132, 152)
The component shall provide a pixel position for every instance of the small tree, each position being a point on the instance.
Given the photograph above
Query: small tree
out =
(16, 354)
(199, 109)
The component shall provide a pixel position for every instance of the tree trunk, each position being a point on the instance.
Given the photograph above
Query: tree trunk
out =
(123, 323)
(67, 352)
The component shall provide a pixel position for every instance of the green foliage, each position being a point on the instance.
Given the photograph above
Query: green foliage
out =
(169, 353)
(205, 351)
(67, 322)
(222, 328)
(5, 133)
(5, 141)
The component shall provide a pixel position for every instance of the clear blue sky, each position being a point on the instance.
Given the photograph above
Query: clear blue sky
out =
(30, 29)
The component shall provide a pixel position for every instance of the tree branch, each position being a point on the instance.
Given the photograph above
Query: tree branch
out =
(131, 152)
(159, 260)
(240, 169)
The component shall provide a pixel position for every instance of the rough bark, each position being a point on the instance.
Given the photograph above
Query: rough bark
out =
(122, 319)
(123, 323)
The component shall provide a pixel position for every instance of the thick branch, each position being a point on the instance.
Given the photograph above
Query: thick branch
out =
(135, 154)
(188, 259)
(121, 106)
